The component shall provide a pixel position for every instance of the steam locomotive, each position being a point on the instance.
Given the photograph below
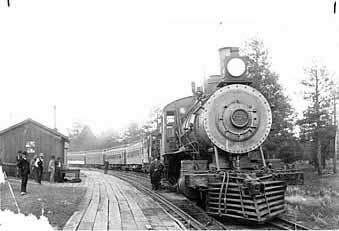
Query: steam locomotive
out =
(210, 144)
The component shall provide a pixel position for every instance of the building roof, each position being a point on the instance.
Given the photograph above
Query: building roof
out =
(29, 120)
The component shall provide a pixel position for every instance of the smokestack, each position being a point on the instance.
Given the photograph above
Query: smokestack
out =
(226, 52)
(54, 110)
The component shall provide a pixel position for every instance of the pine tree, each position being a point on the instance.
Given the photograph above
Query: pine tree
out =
(266, 81)
(81, 138)
(316, 118)
(334, 100)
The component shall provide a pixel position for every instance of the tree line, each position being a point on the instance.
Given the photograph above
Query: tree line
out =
(82, 137)
(309, 137)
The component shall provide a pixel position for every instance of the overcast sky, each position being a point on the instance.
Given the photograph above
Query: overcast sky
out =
(106, 62)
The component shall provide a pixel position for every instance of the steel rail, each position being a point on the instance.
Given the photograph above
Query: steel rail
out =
(210, 222)
(279, 222)
(285, 224)
(184, 217)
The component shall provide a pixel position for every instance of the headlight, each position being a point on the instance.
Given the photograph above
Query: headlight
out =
(236, 67)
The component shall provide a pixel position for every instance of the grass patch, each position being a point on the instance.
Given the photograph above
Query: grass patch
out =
(56, 202)
(316, 203)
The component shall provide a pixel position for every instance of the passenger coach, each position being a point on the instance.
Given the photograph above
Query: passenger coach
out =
(133, 156)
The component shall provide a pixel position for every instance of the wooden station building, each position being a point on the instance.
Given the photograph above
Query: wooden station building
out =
(34, 138)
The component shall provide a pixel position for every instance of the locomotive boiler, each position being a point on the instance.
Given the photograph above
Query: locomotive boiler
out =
(211, 145)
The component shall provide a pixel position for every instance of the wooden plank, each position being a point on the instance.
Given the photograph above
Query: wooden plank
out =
(238, 212)
(111, 195)
(127, 220)
(231, 205)
(139, 210)
(271, 204)
(139, 217)
(89, 217)
(114, 218)
(117, 193)
(258, 199)
(101, 219)
(281, 192)
(276, 208)
(228, 199)
(231, 215)
(73, 222)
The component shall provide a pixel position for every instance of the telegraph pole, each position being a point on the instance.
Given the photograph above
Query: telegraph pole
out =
(335, 95)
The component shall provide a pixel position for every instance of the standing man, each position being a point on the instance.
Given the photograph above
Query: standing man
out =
(106, 163)
(24, 172)
(32, 164)
(58, 167)
(156, 168)
(18, 158)
(51, 169)
(39, 165)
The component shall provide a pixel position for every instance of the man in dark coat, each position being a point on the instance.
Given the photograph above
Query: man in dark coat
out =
(18, 158)
(24, 172)
(156, 168)
(58, 168)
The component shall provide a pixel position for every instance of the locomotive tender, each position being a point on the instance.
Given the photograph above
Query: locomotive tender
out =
(211, 146)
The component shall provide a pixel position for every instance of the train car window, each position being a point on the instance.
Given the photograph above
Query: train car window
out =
(170, 117)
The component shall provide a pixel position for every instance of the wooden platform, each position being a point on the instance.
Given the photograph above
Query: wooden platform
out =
(112, 204)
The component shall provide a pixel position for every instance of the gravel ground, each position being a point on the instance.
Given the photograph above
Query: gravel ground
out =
(58, 203)
(316, 203)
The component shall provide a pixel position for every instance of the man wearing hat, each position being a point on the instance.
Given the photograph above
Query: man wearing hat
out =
(18, 158)
(24, 172)
(39, 163)
(51, 169)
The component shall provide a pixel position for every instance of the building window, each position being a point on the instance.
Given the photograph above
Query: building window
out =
(30, 146)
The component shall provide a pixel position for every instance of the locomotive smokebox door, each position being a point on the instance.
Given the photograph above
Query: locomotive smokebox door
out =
(237, 118)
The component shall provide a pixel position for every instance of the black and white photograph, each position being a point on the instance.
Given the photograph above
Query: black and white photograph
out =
(169, 115)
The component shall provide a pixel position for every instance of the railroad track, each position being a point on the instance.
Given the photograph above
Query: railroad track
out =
(284, 224)
(180, 215)
(197, 215)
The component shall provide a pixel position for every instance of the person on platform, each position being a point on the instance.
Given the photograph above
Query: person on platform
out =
(51, 169)
(33, 168)
(269, 165)
(58, 167)
(18, 158)
(24, 172)
(106, 163)
(156, 168)
(39, 165)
